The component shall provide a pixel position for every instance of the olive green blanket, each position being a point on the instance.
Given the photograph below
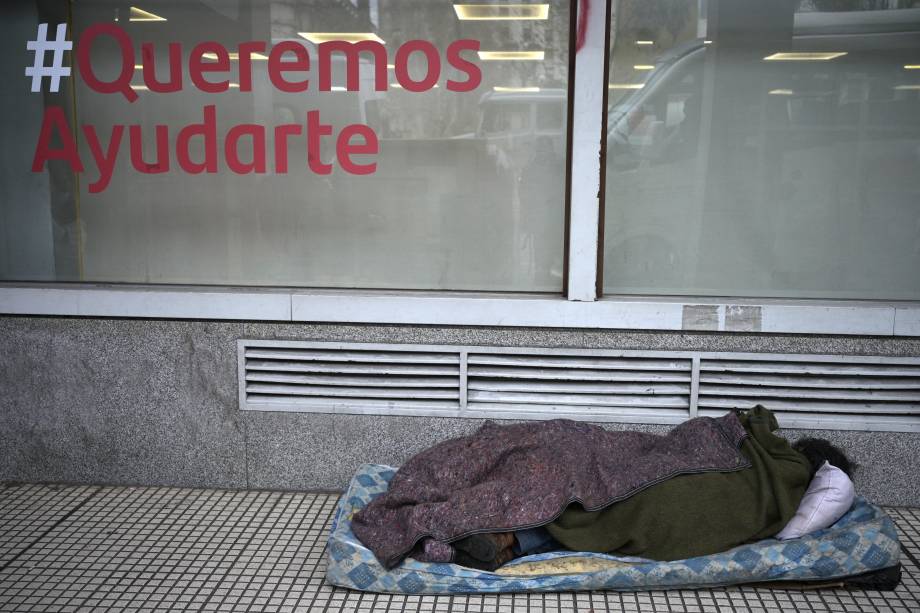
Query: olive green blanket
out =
(693, 515)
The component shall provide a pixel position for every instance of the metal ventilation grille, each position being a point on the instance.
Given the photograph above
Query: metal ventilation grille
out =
(811, 393)
(664, 387)
(278, 377)
(648, 389)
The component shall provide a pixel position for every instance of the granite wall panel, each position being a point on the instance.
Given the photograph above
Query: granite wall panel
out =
(154, 402)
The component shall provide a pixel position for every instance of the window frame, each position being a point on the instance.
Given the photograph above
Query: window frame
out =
(581, 305)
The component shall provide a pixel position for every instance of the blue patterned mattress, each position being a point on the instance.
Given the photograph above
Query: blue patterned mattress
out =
(863, 540)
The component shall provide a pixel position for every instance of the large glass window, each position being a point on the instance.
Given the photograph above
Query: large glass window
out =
(764, 148)
(468, 178)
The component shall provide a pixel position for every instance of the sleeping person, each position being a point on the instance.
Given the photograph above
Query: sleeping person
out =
(506, 491)
(688, 515)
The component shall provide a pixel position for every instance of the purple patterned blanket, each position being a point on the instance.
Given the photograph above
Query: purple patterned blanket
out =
(524, 475)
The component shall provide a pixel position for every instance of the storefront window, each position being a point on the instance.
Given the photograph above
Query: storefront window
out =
(441, 166)
(767, 149)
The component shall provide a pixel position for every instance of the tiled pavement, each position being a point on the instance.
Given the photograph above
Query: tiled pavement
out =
(79, 548)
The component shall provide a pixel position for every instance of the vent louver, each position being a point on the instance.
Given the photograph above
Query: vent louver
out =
(805, 391)
(809, 393)
(648, 389)
(288, 378)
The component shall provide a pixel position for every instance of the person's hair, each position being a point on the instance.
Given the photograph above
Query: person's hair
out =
(818, 450)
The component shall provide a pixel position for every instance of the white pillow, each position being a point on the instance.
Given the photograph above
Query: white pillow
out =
(829, 495)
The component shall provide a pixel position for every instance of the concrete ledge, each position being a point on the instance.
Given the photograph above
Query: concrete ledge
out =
(466, 309)
(171, 303)
(907, 322)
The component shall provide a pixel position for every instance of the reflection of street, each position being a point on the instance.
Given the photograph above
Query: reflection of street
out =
(729, 173)
(540, 191)
(525, 135)
(656, 173)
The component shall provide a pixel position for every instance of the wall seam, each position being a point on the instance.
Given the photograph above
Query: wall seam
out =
(246, 450)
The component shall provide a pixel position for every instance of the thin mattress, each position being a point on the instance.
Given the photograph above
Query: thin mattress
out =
(862, 548)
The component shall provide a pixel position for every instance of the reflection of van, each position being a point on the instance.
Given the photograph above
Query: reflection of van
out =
(514, 121)
(778, 162)
(868, 37)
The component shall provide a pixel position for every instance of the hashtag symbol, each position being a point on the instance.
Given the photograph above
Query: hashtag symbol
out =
(40, 45)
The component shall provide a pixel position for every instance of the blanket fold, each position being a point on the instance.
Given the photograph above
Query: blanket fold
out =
(517, 476)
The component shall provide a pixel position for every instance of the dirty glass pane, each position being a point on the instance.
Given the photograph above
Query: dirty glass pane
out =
(467, 192)
(764, 149)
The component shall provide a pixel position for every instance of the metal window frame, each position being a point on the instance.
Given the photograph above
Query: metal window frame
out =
(858, 422)
(589, 110)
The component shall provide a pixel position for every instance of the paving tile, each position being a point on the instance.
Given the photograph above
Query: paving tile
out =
(27, 511)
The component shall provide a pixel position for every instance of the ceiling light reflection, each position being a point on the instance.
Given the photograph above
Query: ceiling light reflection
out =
(500, 12)
(144, 88)
(236, 56)
(398, 86)
(512, 55)
(805, 56)
(515, 90)
(137, 14)
(349, 37)
(625, 85)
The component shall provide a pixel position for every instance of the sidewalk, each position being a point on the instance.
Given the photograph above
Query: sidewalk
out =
(86, 548)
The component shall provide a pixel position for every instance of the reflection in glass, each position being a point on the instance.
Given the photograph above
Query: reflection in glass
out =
(469, 188)
(773, 149)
